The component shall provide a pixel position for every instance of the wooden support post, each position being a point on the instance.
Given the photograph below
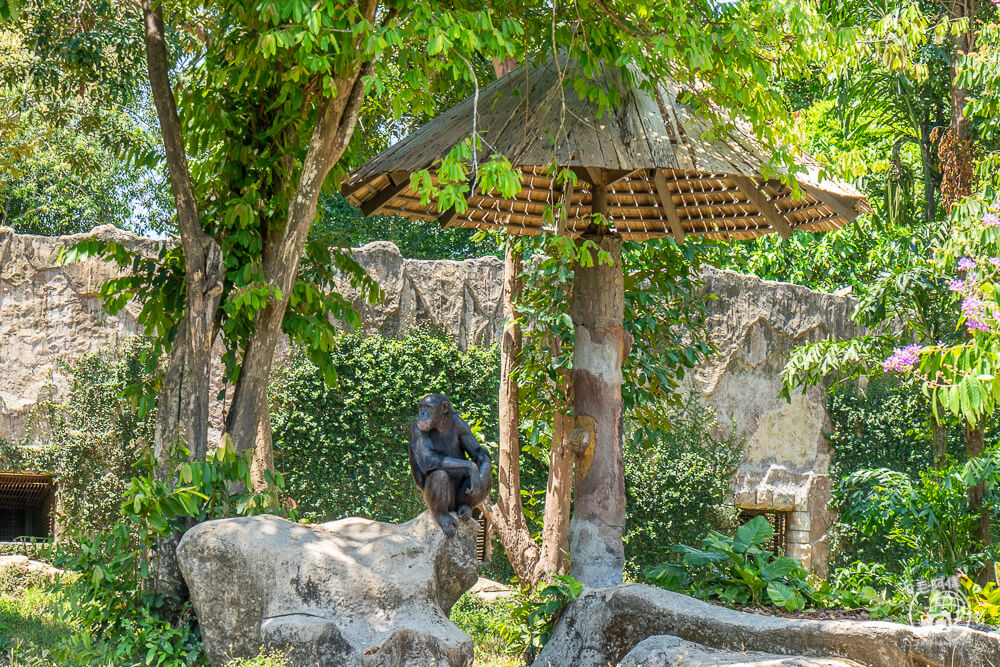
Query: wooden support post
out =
(598, 521)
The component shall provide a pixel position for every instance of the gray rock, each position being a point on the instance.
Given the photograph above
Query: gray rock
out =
(350, 592)
(603, 625)
(668, 651)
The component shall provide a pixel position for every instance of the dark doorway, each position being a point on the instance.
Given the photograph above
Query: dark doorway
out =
(778, 544)
(26, 503)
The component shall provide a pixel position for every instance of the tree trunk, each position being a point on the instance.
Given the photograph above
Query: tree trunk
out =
(263, 454)
(558, 492)
(598, 521)
(183, 403)
(338, 116)
(974, 445)
(940, 443)
(507, 515)
(956, 148)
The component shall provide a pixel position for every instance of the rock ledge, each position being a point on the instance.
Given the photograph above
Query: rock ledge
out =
(351, 592)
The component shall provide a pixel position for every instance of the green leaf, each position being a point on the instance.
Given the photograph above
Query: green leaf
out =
(755, 532)
(779, 568)
(785, 596)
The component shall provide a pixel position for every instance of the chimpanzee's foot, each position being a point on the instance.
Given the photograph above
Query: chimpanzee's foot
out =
(464, 512)
(447, 523)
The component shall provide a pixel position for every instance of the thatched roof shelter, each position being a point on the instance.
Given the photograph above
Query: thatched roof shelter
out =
(653, 168)
(666, 175)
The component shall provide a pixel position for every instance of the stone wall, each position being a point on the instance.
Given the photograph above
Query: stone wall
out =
(755, 324)
(51, 313)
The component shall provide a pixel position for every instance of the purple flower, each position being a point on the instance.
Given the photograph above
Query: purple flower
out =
(995, 261)
(966, 264)
(956, 286)
(902, 358)
(972, 307)
(972, 324)
(991, 220)
(974, 312)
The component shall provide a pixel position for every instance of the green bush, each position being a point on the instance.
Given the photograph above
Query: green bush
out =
(677, 486)
(343, 449)
(887, 426)
(737, 570)
(486, 622)
(92, 439)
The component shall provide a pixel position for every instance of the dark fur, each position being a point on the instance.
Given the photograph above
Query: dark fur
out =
(451, 468)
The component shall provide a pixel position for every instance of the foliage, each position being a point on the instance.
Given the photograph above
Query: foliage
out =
(73, 146)
(113, 596)
(267, 658)
(14, 578)
(416, 239)
(90, 440)
(963, 377)
(871, 586)
(928, 514)
(885, 425)
(888, 424)
(737, 570)
(530, 619)
(72, 181)
(486, 622)
(343, 448)
(31, 628)
(677, 484)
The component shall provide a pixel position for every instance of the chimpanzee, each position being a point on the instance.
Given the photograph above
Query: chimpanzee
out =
(439, 442)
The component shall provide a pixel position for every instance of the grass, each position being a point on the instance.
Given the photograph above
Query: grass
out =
(32, 631)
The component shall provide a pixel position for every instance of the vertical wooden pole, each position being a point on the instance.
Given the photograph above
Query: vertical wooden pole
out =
(598, 311)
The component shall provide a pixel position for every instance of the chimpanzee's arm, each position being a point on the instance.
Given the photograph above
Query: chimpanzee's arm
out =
(480, 457)
(428, 460)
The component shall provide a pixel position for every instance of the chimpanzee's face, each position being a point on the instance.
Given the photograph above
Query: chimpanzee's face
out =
(430, 411)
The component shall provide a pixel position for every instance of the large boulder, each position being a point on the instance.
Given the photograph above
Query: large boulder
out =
(350, 592)
(668, 651)
(603, 625)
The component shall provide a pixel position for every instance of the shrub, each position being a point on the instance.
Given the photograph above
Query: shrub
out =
(114, 597)
(887, 426)
(92, 439)
(343, 449)
(678, 485)
(267, 658)
(928, 516)
(737, 570)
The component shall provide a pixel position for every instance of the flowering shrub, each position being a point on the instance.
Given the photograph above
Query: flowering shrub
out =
(964, 377)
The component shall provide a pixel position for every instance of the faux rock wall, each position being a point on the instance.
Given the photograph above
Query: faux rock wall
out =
(51, 313)
(755, 325)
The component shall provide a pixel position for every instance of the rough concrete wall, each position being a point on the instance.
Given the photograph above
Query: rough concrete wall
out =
(755, 324)
(50, 314)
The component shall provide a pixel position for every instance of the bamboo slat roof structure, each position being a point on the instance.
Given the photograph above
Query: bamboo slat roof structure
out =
(665, 175)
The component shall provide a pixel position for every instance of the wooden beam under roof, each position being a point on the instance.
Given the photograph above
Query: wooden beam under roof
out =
(384, 196)
(760, 200)
(667, 202)
(835, 202)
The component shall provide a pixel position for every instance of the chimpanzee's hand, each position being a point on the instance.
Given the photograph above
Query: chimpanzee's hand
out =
(475, 482)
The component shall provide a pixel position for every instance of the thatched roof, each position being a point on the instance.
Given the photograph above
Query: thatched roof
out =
(666, 174)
